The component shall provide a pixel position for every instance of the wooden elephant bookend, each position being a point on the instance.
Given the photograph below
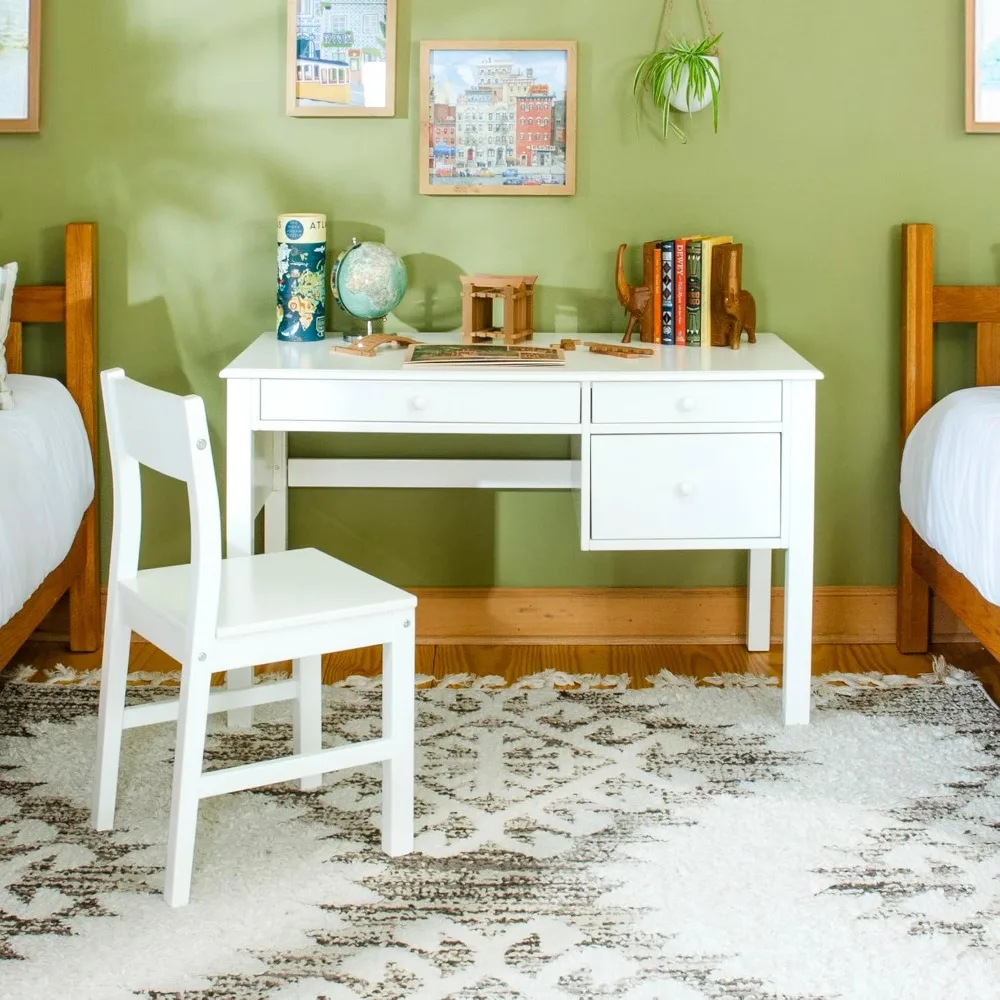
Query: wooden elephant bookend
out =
(733, 308)
(636, 300)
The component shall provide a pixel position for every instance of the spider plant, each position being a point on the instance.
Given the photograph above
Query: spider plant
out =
(663, 73)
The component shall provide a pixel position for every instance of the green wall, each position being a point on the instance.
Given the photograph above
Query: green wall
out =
(165, 123)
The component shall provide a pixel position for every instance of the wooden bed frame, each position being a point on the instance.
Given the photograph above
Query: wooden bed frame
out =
(921, 569)
(73, 305)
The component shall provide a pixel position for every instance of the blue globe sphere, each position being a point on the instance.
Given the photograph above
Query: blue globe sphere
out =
(369, 280)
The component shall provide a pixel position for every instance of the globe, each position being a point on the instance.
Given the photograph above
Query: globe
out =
(369, 280)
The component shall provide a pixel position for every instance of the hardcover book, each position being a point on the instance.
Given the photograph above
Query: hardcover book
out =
(694, 293)
(649, 325)
(707, 256)
(680, 292)
(656, 306)
(667, 282)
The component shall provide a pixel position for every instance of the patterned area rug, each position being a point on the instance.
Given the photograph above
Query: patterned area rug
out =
(675, 843)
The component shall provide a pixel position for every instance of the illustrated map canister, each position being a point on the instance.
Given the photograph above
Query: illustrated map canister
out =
(301, 277)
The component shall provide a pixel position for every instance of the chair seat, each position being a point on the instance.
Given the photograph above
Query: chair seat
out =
(272, 591)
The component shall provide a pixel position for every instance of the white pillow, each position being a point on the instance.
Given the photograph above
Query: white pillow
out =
(8, 278)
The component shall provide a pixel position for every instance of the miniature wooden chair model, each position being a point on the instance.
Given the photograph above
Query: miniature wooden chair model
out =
(218, 614)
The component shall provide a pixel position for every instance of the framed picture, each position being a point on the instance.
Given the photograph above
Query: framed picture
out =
(20, 48)
(341, 60)
(982, 65)
(498, 118)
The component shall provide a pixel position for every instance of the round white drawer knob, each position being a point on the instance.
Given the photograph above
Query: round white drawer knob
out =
(419, 402)
(687, 404)
(686, 489)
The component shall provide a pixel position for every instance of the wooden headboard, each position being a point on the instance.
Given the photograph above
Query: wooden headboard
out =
(925, 304)
(72, 305)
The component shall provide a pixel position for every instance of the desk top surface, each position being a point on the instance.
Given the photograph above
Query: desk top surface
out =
(770, 358)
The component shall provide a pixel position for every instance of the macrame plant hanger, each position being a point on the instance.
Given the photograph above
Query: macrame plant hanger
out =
(663, 35)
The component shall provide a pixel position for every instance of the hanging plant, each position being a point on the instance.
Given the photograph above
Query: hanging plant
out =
(680, 75)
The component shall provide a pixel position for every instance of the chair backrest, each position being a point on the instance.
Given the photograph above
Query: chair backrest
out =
(167, 433)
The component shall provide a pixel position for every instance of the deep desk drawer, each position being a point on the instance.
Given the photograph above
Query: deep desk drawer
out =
(687, 402)
(662, 486)
(420, 402)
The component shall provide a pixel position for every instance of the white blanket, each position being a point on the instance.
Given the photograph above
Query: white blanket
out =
(46, 484)
(950, 484)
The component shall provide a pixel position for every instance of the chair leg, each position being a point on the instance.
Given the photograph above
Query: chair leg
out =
(239, 680)
(191, 725)
(398, 709)
(307, 721)
(114, 676)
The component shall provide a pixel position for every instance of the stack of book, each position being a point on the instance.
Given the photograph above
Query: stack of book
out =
(679, 273)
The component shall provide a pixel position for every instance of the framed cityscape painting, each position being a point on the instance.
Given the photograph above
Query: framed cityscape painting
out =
(20, 49)
(498, 118)
(982, 66)
(341, 58)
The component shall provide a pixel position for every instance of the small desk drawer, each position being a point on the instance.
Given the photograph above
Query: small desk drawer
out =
(687, 402)
(663, 486)
(420, 402)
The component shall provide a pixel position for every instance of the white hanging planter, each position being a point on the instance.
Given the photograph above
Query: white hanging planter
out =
(679, 95)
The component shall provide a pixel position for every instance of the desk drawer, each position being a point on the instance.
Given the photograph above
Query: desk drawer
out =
(540, 403)
(687, 402)
(661, 486)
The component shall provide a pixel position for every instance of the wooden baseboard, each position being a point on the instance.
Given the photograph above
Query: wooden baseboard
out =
(613, 616)
(639, 615)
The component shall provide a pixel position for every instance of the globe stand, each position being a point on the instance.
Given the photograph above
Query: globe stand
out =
(369, 331)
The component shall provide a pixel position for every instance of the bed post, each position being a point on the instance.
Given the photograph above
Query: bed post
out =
(917, 381)
(81, 380)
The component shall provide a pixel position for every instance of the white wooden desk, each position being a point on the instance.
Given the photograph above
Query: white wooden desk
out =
(687, 449)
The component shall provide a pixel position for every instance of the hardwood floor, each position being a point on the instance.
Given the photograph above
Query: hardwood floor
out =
(512, 662)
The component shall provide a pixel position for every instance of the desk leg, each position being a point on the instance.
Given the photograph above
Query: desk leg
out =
(797, 672)
(239, 508)
(276, 505)
(759, 601)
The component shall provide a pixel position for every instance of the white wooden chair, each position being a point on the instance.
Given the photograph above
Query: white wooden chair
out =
(218, 614)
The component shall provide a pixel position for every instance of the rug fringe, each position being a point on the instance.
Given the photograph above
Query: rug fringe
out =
(941, 672)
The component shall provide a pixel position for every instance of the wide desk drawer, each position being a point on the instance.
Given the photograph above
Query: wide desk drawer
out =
(686, 402)
(400, 402)
(664, 486)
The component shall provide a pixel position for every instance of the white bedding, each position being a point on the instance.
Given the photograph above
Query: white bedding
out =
(46, 484)
(950, 484)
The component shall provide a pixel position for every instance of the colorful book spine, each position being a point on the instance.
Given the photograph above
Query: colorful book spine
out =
(680, 292)
(694, 293)
(667, 282)
(648, 326)
(656, 306)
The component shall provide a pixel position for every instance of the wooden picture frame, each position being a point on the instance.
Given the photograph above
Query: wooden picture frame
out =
(341, 75)
(21, 24)
(465, 84)
(982, 65)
